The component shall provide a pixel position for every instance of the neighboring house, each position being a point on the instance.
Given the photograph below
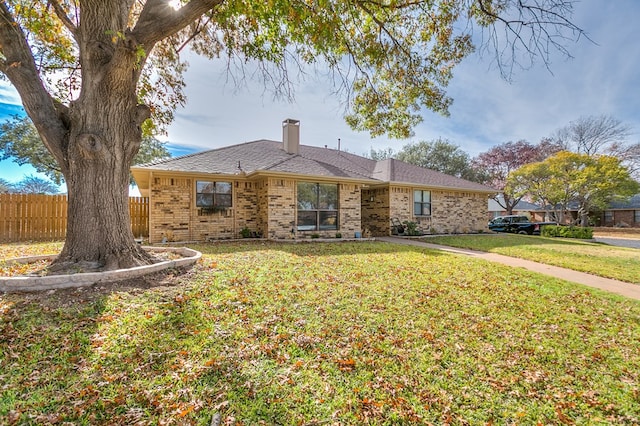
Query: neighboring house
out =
(621, 213)
(618, 213)
(521, 208)
(287, 190)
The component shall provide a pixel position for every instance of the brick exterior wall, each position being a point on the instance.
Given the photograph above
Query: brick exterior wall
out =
(281, 213)
(170, 209)
(458, 212)
(375, 212)
(618, 217)
(246, 207)
(262, 195)
(173, 215)
(350, 220)
(267, 207)
(451, 211)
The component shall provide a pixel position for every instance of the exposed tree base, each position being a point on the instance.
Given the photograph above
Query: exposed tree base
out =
(125, 260)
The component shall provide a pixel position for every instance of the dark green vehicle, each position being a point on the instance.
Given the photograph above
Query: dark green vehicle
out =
(516, 224)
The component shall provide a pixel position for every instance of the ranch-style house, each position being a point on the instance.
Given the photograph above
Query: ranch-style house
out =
(284, 190)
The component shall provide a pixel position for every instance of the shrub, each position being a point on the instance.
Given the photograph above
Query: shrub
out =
(245, 232)
(567, 232)
(411, 228)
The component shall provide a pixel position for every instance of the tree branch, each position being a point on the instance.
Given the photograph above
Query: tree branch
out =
(20, 67)
(538, 29)
(62, 15)
(158, 20)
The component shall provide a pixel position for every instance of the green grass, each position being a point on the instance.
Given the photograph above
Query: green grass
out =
(309, 334)
(619, 263)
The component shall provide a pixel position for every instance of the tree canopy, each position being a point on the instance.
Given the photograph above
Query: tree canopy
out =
(5, 186)
(601, 134)
(440, 155)
(35, 185)
(593, 135)
(496, 164)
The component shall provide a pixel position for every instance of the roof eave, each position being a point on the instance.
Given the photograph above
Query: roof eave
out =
(443, 187)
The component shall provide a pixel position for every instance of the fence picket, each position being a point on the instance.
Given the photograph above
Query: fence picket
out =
(36, 217)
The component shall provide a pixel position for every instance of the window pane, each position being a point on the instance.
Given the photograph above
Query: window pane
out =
(223, 200)
(307, 196)
(426, 196)
(328, 195)
(329, 220)
(204, 187)
(417, 209)
(204, 200)
(307, 220)
(417, 196)
(426, 209)
(223, 187)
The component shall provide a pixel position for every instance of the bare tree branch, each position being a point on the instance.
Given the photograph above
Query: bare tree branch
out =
(539, 28)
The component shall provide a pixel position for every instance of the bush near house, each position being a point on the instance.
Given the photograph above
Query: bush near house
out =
(567, 232)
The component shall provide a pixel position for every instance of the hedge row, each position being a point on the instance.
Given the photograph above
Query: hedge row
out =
(567, 232)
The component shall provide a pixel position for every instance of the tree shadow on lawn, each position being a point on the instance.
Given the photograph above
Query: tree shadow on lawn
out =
(173, 347)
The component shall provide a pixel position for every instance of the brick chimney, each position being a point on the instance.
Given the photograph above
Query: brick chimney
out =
(291, 135)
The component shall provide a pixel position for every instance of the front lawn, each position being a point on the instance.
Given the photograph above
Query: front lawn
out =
(310, 334)
(599, 259)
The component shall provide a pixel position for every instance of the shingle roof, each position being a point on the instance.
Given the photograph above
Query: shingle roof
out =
(632, 203)
(494, 206)
(265, 155)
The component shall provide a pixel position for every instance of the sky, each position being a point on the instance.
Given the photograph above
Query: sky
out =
(603, 77)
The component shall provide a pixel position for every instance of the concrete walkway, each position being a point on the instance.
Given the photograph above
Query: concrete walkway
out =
(614, 286)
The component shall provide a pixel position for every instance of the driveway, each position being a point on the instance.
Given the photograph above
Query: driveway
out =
(620, 242)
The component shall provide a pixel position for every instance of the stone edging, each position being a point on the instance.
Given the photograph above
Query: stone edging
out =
(54, 282)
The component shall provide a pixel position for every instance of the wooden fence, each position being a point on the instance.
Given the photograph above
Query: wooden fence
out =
(32, 217)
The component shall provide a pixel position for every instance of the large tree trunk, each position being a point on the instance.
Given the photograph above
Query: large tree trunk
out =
(102, 143)
(104, 134)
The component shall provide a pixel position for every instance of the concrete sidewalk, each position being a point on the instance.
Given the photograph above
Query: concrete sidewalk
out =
(614, 286)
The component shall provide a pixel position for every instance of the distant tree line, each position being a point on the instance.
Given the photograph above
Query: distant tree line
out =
(29, 185)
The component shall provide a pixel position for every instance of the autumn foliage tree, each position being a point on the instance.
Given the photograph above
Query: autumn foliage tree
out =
(601, 134)
(91, 73)
(496, 164)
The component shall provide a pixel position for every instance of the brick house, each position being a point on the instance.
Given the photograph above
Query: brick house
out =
(621, 213)
(284, 190)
